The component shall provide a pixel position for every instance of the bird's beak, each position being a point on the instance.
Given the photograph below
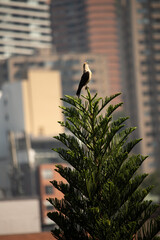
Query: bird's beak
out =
(86, 63)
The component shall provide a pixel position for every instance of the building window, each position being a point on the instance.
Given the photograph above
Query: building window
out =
(49, 207)
(149, 144)
(145, 83)
(5, 101)
(150, 134)
(6, 116)
(146, 41)
(76, 72)
(142, 10)
(143, 21)
(147, 103)
(148, 123)
(152, 164)
(47, 173)
(146, 52)
(41, 131)
(142, 1)
(48, 189)
(147, 113)
(48, 221)
(70, 62)
(148, 93)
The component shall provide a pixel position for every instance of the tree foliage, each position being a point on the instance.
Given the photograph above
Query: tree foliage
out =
(102, 199)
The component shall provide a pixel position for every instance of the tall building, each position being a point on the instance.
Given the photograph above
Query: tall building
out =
(88, 26)
(141, 64)
(24, 27)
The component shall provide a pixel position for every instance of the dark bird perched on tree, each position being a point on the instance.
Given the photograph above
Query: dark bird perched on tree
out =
(86, 77)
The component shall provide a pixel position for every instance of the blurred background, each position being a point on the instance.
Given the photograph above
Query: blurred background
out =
(43, 45)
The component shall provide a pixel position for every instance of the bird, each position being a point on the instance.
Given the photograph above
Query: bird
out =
(86, 77)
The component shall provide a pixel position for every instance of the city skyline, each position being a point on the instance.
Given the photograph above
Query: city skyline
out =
(108, 29)
(43, 45)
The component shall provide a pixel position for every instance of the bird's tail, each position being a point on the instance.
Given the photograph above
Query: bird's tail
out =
(78, 92)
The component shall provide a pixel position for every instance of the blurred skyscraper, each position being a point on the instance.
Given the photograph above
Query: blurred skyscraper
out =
(24, 26)
(140, 32)
(88, 26)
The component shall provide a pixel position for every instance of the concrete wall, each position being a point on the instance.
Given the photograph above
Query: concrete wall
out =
(19, 216)
(11, 114)
(13, 108)
(3, 139)
(5, 169)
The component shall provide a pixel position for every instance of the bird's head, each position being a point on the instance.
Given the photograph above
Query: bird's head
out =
(85, 63)
(85, 66)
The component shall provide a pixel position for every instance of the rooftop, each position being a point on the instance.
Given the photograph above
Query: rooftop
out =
(31, 236)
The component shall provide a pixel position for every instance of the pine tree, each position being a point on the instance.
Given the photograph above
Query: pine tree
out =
(102, 196)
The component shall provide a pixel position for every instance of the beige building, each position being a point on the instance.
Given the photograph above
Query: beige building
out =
(41, 99)
(141, 48)
(32, 105)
